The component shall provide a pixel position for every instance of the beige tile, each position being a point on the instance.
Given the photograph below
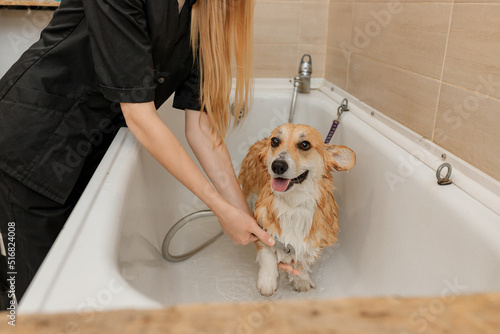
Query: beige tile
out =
(277, 22)
(338, 42)
(275, 60)
(415, 1)
(339, 24)
(278, 1)
(473, 56)
(336, 67)
(317, 53)
(477, 1)
(468, 125)
(407, 35)
(313, 23)
(404, 96)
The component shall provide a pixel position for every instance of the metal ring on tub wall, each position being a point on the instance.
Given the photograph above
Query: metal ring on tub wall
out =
(443, 181)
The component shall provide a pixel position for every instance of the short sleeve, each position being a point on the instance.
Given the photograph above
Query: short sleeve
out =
(121, 49)
(187, 96)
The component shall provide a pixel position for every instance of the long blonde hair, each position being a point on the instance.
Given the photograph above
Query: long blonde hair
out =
(218, 29)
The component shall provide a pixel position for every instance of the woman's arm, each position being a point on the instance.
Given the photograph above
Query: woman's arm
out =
(144, 122)
(215, 161)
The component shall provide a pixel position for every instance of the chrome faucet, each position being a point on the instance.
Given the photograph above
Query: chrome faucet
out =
(301, 83)
(305, 70)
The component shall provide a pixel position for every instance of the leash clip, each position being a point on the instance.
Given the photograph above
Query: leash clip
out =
(289, 250)
(344, 106)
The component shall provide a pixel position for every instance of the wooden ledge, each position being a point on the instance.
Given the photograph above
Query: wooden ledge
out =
(463, 314)
(30, 3)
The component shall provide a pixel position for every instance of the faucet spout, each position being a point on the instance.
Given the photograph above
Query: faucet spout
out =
(301, 83)
(305, 70)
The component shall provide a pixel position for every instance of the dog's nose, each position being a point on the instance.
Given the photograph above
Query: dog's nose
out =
(279, 166)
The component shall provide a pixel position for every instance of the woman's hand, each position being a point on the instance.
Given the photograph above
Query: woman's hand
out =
(288, 268)
(241, 227)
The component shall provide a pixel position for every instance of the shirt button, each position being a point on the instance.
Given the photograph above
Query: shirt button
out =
(161, 80)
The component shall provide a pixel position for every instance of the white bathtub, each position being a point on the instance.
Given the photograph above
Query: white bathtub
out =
(401, 233)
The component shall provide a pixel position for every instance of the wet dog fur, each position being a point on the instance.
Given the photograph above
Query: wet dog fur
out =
(287, 179)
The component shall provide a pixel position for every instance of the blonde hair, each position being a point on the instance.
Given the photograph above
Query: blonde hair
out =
(218, 29)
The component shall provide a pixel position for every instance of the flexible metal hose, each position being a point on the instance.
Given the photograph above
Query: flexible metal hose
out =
(177, 226)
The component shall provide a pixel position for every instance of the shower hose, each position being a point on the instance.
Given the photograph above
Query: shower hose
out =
(177, 226)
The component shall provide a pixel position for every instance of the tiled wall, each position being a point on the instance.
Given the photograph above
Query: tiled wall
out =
(431, 65)
(284, 31)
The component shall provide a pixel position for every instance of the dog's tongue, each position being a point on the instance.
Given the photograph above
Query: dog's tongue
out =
(280, 184)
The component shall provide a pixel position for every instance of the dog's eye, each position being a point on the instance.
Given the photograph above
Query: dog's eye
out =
(305, 145)
(275, 142)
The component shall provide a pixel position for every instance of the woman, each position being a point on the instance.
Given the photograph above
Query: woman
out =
(99, 65)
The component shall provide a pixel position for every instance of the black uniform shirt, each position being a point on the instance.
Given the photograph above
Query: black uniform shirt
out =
(63, 93)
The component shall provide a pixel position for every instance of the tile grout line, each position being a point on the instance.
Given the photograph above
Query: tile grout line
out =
(442, 71)
(299, 40)
(325, 49)
(470, 90)
(402, 69)
(350, 41)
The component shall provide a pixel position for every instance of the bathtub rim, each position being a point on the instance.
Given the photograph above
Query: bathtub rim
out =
(465, 176)
(36, 302)
(37, 298)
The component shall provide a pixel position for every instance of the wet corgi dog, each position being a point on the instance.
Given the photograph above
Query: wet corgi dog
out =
(288, 177)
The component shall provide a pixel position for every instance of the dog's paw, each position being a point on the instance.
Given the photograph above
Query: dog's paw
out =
(303, 285)
(267, 285)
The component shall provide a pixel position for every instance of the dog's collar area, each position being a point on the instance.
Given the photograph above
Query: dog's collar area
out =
(289, 250)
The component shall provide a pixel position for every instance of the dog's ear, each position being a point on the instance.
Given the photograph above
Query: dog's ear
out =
(342, 158)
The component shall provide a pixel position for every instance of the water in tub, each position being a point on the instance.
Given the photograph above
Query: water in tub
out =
(221, 272)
